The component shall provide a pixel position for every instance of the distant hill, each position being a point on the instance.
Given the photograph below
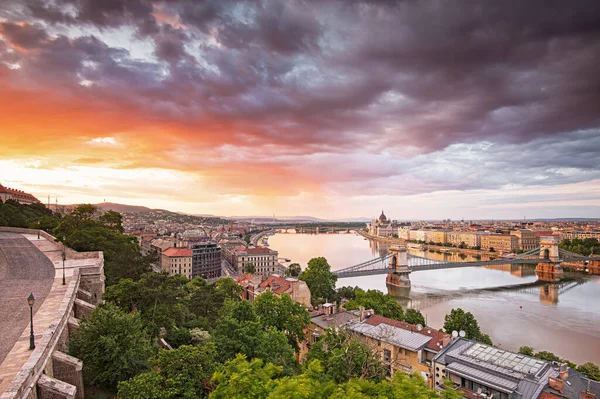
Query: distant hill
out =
(111, 206)
(277, 219)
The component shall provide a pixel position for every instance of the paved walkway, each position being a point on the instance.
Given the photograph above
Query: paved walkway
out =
(23, 270)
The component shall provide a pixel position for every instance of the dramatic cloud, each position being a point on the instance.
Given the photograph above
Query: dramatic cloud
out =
(308, 99)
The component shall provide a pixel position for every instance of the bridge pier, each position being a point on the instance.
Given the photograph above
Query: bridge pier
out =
(549, 268)
(400, 277)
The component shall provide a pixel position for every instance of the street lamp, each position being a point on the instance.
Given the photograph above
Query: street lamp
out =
(31, 301)
(64, 257)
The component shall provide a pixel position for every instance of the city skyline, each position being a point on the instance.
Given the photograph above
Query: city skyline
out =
(332, 109)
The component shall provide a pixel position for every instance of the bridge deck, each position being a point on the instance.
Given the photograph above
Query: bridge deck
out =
(416, 263)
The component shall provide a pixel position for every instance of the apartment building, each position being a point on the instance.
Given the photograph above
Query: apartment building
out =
(401, 346)
(500, 242)
(528, 240)
(581, 234)
(177, 261)
(483, 371)
(264, 260)
(206, 260)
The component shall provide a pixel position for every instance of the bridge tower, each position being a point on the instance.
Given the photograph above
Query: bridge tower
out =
(400, 275)
(549, 267)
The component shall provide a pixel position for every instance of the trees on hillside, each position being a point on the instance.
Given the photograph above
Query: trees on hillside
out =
(585, 247)
(284, 314)
(184, 372)
(383, 304)
(458, 320)
(112, 344)
(294, 270)
(320, 280)
(344, 356)
(238, 330)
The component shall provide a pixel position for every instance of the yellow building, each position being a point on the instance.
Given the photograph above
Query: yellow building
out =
(500, 242)
(401, 346)
(528, 240)
(177, 261)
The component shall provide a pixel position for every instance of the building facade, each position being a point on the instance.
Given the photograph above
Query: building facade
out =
(16, 195)
(401, 346)
(383, 227)
(484, 371)
(206, 260)
(528, 240)
(264, 260)
(500, 242)
(581, 234)
(177, 261)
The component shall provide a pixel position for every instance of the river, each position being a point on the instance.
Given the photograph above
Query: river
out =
(506, 301)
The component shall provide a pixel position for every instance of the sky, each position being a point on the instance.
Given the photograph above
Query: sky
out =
(427, 109)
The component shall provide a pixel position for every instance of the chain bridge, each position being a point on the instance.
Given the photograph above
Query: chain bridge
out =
(399, 262)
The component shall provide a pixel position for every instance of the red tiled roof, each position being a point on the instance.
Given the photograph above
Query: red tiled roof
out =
(256, 250)
(276, 283)
(178, 252)
(437, 336)
(18, 193)
(546, 395)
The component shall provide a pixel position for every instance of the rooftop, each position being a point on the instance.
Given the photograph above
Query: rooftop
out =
(177, 252)
(439, 339)
(407, 339)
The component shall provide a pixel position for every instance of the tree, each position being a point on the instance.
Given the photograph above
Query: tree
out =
(239, 331)
(492, 249)
(112, 220)
(345, 356)
(240, 378)
(157, 296)
(548, 356)
(250, 268)
(346, 292)
(229, 288)
(184, 372)
(458, 320)
(284, 314)
(294, 270)
(319, 279)
(112, 344)
(526, 350)
(413, 316)
(591, 370)
(383, 304)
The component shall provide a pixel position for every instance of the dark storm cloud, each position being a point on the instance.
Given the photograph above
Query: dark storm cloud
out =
(410, 77)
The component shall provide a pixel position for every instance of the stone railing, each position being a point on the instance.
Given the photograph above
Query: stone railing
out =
(50, 372)
(55, 337)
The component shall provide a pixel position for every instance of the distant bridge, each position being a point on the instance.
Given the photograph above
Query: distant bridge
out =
(402, 262)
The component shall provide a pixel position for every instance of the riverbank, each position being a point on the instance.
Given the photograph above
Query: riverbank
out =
(440, 248)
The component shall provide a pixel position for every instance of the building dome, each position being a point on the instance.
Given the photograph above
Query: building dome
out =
(382, 218)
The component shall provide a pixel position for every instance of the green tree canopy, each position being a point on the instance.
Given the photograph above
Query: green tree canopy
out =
(294, 270)
(184, 373)
(240, 378)
(458, 320)
(239, 331)
(345, 356)
(413, 316)
(346, 292)
(319, 279)
(284, 314)
(590, 370)
(526, 350)
(383, 304)
(112, 344)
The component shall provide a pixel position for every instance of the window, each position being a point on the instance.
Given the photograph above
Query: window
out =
(387, 355)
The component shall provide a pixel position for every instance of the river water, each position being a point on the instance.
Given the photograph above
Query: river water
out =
(506, 300)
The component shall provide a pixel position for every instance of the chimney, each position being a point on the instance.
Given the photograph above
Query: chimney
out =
(563, 371)
(361, 312)
(587, 395)
(556, 384)
(334, 310)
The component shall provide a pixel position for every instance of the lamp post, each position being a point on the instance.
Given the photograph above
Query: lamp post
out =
(64, 257)
(31, 301)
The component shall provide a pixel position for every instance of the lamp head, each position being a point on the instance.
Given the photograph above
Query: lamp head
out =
(31, 299)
